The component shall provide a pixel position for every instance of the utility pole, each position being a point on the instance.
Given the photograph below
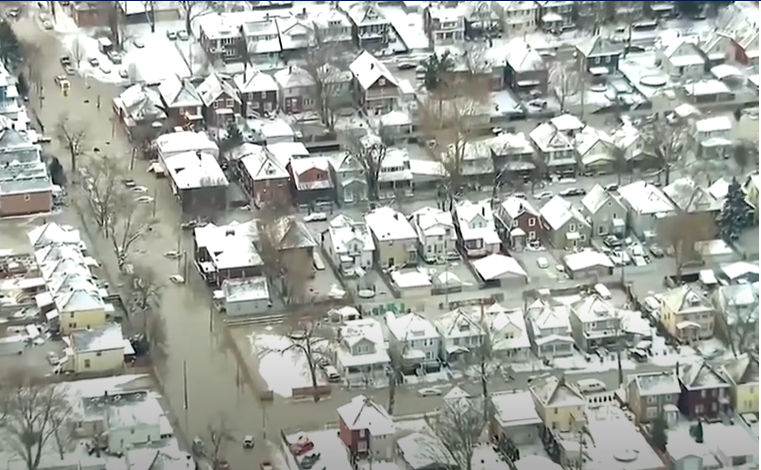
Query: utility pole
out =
(185, 390)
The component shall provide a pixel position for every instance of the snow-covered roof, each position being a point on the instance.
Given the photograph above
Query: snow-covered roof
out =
(587, 259)
(458, 324)
(195, 170)
(177, 92)
(364, 414)
(551, 392)
(272, 129)
(545, 316)
(521, 57)
(368, 70)
(229, 246)
(515, 408)
(657, 383)
(213, 87)
(567, 123)
(739, 269)
(515, 206)
(262, 165)
(388, 224)
(300, 166)
(498, 266)
(558, 212)
(501, 322)
(476, 221)
(254, 82)
(719, 189)
(295, 33)
(410, 327)
(248, 289)
(549, 139)
(594, 308)
(433, 222)
(97, 339)
(595, 199)
(511, 144)
(365, 13)
(706, 87)
(714, 124)
(185, 141)
(53, 233)
(690, 197)
(293, 77)
(645, 198)
(345, 234)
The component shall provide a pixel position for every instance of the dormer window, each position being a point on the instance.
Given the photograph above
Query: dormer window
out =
(381, 82)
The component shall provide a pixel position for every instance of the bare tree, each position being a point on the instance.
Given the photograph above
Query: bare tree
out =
(745, 154)
(114, 16)
(368, 152)
(104, 190)
(72, 135)
(565, 81)
(30, 54)
(448, 119)
(149, 7)
(220, 435)
(77, 51)
(396, 358)
(681, 232)
(144, 302)
(666, 142)
(459, 427)
(132, 221)
(620, 164)
(192, 9)
(740, 319)
(35, 412)
(326, 64)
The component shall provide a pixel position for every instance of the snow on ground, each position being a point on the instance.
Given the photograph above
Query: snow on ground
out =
(409, 27)
(282, 367)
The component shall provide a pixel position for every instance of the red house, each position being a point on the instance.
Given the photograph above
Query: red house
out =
(516, 213)
(262, 176)
(705, 391)
(365, 427)
(312, 180)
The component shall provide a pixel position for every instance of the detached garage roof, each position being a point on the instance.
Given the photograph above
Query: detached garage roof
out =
(498, 267)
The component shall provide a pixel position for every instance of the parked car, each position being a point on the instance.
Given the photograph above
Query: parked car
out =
(406, 66)
(656, 251)
(171, 35)
(105, 68)
(183, 35)
(114, 57)
(429, 392)
(612, 241)
(611, 187)
(94, 61)
(138, 43)
(543, 195)
(573, 192)
(316, 217)
(542, 263)
(65, 60)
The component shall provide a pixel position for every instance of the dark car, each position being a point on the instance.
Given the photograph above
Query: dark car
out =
(573, 192)
(634, 49)
(612, 241)
(406, 66)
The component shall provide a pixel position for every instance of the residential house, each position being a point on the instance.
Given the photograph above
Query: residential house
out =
(9, 103)
(223, 252)
(509, 334)
(476, 229)
(371, 29)
(80, 308)
(52, 233)
(559, 405)
(595, 323)
(297, 90)
(135, 12)
(549, 328)
(395, 178)
(417, 340)
(351, 183)
(518, 17)
(412, 458)
(742, 372)
(654, 394)
(263, 178)
(481, 21)
(645, 206)
(596, 152)
(717, 48)
(500, 270)
(295, 245)
(197, 181)
(555, 149)
(750, 188)
(365, 428)
(297, 36)
(706, 392)
(605, 212)
(220, 38)
(686, 314)
(476, 164)
(250, 296)
(25, 185)
(262, 37)
(176, 143)
(91, 14)
(713, 137)
(444, 25)
(220, 99)
(461, 336)
(361, 355)
(514, 157)
(599, 55)
(332, 27)
(524, 67)
(514, 417)
(739, 22)
(688, 197)
(181, 100)
(629, 141)
(338, 90)
(436, 234)
(519, 223)
(565, 227)
(736, 307)
(395, 239)
(556, 15)
(350, 246)
(98, 349)
(139, 106)
(312, 180)
(258, 93)
(681, 59)
(376, 90)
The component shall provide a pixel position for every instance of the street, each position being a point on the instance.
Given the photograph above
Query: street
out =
(196, 337)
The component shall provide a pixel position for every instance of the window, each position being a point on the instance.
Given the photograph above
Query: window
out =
(532, 235)
(99, 354)
(26, 198)
(555, 411)
(651, 399)
(702, 393)
(652, 412)
(456, 341)
(87, 363)
(381, 81)
(215, 104)
(72, 326)
(531, 222)
(362, 433)
(515, 223)
(572, 228)
(230, 103)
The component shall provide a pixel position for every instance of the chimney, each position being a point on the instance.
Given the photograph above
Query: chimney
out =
(304, 11)
(483, 211)
(198, 154)
(290, 69)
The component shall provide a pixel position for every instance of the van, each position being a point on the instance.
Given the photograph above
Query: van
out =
(590, 385)
(603, 292)
(332, 374)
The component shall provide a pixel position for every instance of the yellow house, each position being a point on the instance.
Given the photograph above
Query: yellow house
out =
(560, 406)
(80, 309)
(99, 349)
(743, 376)
(686, 314)
(751, 191)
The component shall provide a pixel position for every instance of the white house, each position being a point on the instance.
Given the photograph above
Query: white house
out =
(248, 296)
(595, 323)
(395, 239)
(508, 332)
(99, 349)
(555, 148)
(549, 329)
(131, 426)
(461, 335)
(436, 233)
(361, 353)
(417, 340)
(476, 229)
(518, 17)
(645, 205)
(350, 245)
(681, 59)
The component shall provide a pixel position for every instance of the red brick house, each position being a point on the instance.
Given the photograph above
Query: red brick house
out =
(262, 176)
(220, 99)
(93, 14)
(516, 213)
(365, 427)
(258, 93)
(312, 180)
(705, 391)
(376, 90)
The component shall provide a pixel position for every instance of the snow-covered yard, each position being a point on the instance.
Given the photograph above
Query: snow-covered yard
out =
(282, 367)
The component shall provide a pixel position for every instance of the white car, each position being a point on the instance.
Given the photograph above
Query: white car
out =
(144, 199)
(177, 279)
(543, 195)
(105, 68)
(560, 268)
(123, 73)
(543, 263)
(316, 217)
(429, 392)
(138, 43)
(139, 189)
(47, 25)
